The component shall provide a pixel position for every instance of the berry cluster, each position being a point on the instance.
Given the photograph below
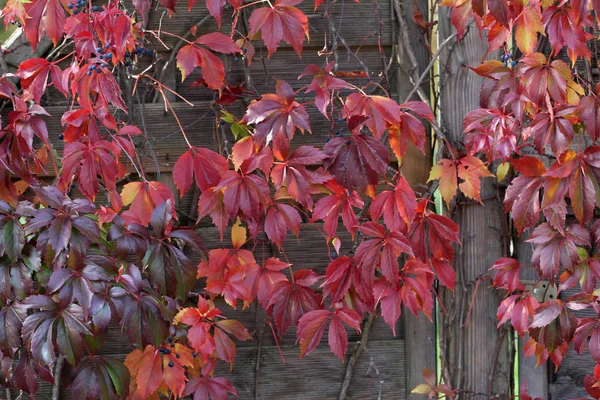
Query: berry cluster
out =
(137, 51)
(508, 57)
(339, 133)
(79, 6)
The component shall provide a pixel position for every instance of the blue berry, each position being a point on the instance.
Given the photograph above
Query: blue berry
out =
(177, 356)
(108, 55)
(347, 143)
(70, 6)
(340, 120)
(96, 8)
(149, 52)
(127, 63)
(245, 50)
(72, 186)
(75, 12)
(212, 113)
(510, 54)
(172, 344)
(127, 54)
(222, 122)
(502, 57)
(98, 70)
(61, 136)
(170, 339)
(69, 193)
(91, 67)
(194, 354)
(334, 256)
(103, 65)
(98, 49)
(89, 73)
(505, 64)
(327, 140)
(107, 45)
(235, 59)
(171, 364)
(514, 63)
(19, 24)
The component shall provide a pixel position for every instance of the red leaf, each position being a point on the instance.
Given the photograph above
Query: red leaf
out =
(205, 165)
(143, 198)
(310, 330)
(323, 81)
(507, 275)
(289, 301)
(553, 249)
(445, 273)
(397, 206)
(260, 279)
(279, 220)
(203, 387)
(45, 17)
(281, 22)
(381, 112)
(292, 173)
(435, 231)
(357, 161)
(276, 113)
(339, 202)
(218, 42)
(34, 76)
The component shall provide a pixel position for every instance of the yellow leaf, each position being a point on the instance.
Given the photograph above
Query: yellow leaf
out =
(422, 389)
(502, 170)
(129, 192)
(238, 234)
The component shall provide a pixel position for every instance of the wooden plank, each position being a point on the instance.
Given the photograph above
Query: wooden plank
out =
(314, 377)
(476, 349)
(536, 377)
(420, 333)
(356, 22)
(278, 67)
(166, 142)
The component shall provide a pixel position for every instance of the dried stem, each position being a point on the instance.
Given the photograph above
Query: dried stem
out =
(358, 350)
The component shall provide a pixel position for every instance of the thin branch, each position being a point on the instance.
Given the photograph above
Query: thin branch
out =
(358, 350)
(425, 72)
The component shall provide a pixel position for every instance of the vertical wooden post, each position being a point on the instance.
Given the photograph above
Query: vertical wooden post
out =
(537, 378)
(419, 333)
(476, 353)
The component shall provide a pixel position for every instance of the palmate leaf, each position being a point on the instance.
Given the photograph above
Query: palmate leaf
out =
(291, 300)
(553, 249)
(139, 310)
(283, 21)
(16, 277)
(192, 56)
(150, 371)
(45, 17)
(381, 250)
(340, 201)
(523, 195)
(312, 325)
(396, 206)
(322, 83)
(276, 114)
(292, 173)
(356, 161)
(206, 166)
(102, 378)
(432, 235)
(11, 323)
(54, 325)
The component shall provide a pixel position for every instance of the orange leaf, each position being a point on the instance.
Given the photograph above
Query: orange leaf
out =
(470, 170)
(445, 171)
